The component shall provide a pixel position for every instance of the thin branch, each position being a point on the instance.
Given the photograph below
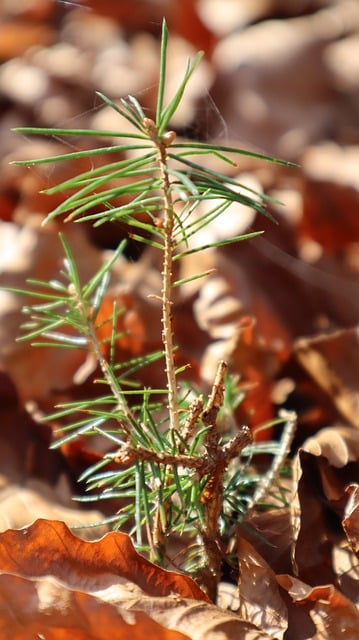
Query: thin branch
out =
(169, 219)
(194, 413)
(271, 476)
(212, 495)
(203, 465)
(107, 370)
(210, 414)
(167, 331)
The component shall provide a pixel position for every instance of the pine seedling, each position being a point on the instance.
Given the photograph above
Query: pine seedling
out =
(172, 468)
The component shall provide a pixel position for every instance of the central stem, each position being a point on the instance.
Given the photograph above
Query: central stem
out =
(167, 223)
(167, 330)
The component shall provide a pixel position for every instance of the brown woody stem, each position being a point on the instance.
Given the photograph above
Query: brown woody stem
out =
(212, 497)
(167, 330)
(168, 219)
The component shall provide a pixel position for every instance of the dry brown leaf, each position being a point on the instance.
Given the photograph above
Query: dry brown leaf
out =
(47, 605)
(325, 556)
(316, 523)
(351, 516)
(259, 598)
(346, 566)
(49, 548)
(57, 574)
(24, 443)
(272, 535)
(22, 505)
(333, 362)
(16, 37)
(324, 500)
(245, 331)
(334, 615)
(330, 197)
(46, 608)
(338, 444)
(201, 621)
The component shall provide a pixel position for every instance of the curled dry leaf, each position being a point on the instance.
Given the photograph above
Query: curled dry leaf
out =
(331, 196)
(225, 309)
(333, 615)
(272, 534)
(21, 505)
(328, 494)
(259, 598)
(314, 524)
(47, 608)
(335, 453)
(333, 361)
(322, 501)
(49, 548)
(346, 565)
(53, 582)
(351, 516)
(201, 621)
(260, 98)
(338, 444)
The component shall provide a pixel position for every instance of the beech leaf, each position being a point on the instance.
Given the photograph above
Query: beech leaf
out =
(333, 614)
(47, 608)
(47, 547)
(351, 516)
(332, 360)
(57, 585)
(259, 598)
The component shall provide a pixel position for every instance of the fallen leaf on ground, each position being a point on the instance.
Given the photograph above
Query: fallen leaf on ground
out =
(259, 598)
(339, 444)
(47, 608)
(333, 361)
(63, 584)
(334, 615)
(259, 96)
(330, 196)
(49, 548)
(322, 500)
(351, 516)
(272, 535)
(346, 565)
(22, 505)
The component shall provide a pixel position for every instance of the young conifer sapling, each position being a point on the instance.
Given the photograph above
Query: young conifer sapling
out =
(172, 468)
